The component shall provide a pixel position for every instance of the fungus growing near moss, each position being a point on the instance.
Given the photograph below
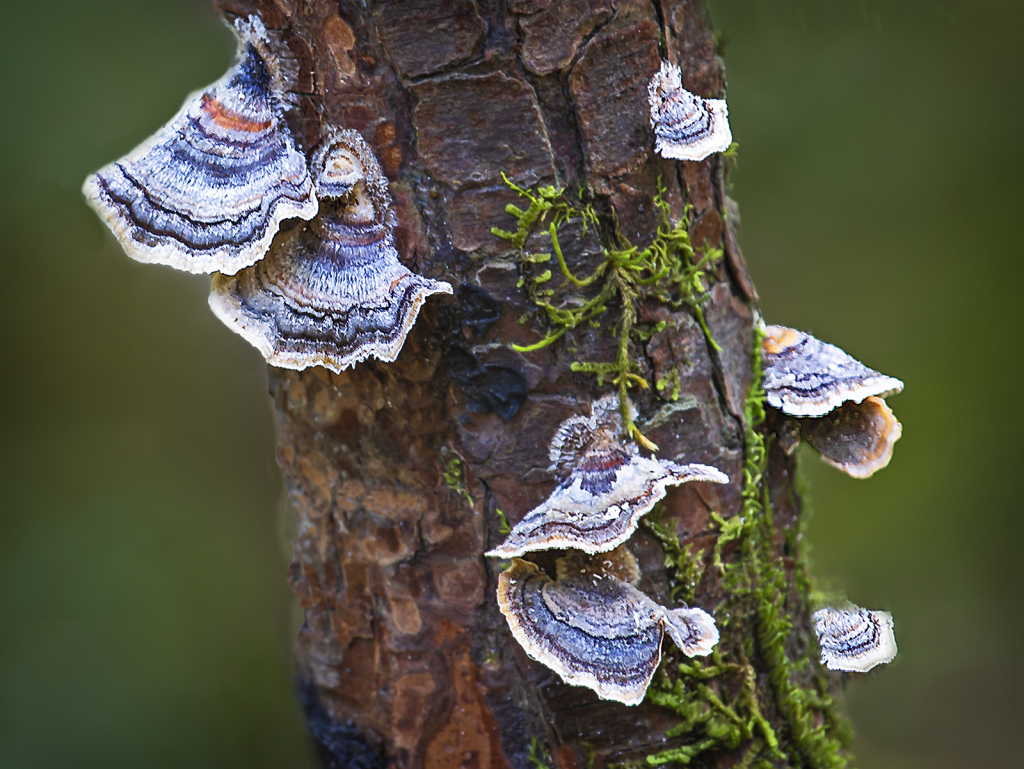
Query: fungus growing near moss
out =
(686, 127)
(857, 438)
(593, 627)
(854, 640)
(209, 190)
(805, 377)
(836, 402)
(605, 488)
(331, 293)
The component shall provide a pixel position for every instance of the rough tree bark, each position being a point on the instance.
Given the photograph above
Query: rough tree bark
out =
(396, 472)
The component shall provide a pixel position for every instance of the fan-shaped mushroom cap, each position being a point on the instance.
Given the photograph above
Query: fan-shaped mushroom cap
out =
(854, 640)
(593, 628)
(342, 159)
(857, 438)
(686, 127)
(331, 293)
(693, 630)
(835, 401)
(209, 190)
(606, 488)
(805, 377)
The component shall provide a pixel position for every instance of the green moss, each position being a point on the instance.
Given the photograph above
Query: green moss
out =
(503, 525)
(668, 270)
(716, 700)
(538, 756)
(454, 477)
(671, 379)
(729, 530)
(686, 568)
(818, 746)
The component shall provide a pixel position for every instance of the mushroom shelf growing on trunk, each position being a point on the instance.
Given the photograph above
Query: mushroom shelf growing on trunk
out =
(503, 151)
(403, 475)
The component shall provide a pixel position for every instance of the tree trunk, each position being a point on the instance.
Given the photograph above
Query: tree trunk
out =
(401, 475)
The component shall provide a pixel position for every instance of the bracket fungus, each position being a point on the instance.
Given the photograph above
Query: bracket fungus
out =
(606, 487)
(854, 640)
(857, 438)
(331, 293)
(835, 402)
(341, 161)
(593, 627)
(209, 190)
(805, 377)
(686, 127)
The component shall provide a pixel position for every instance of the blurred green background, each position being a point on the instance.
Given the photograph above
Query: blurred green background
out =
(144, 615)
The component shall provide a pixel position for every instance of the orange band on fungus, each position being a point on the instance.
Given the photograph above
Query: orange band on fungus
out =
(232, 121)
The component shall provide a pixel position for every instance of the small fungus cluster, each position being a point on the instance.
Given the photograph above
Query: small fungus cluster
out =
(831, 400)
(591, 624)
(331, 293)
(854, 639)
(593, 627)
(209, 191)
(686, 127)
(606, 487)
